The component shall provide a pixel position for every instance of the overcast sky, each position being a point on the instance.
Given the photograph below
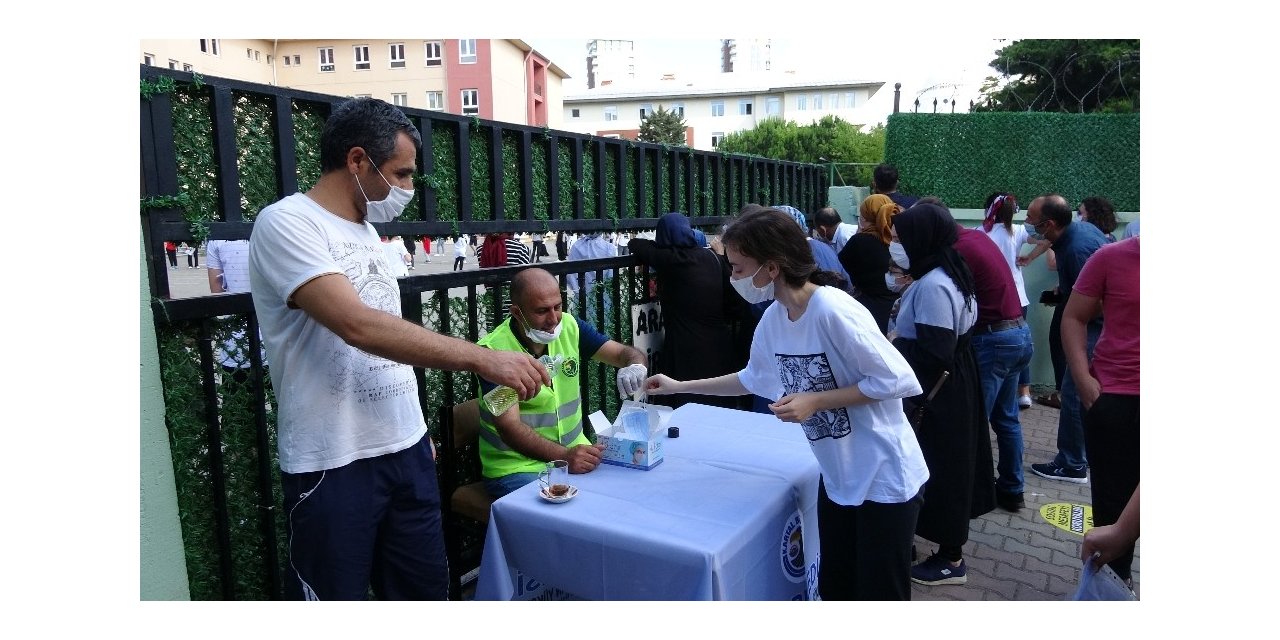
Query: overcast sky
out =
(961, 61)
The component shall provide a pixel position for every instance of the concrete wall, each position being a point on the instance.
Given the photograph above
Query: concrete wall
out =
(163, 573)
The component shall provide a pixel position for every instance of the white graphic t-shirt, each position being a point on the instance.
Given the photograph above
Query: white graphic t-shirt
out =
(337, 403)
(866, 452)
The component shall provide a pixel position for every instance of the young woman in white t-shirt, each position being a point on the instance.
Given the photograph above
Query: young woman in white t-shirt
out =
(821, 357)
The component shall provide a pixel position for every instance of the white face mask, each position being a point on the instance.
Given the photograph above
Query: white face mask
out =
(539, 336)
(749, 291)
(899, 255)
(891, 281)
(388, 208)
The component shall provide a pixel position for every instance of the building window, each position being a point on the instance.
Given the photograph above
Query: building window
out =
(574, 113)
(257, 55)
(362, 95)
(817, 101)
(773, 106)
(186, 67)
(288, 61)
(269, 58)
(849, 101)
(400, 99)
(470, 102)
(173, 64)
(209, 46)
(744, 107)
(611, 112)
(716, 138)
(467, 51)
(397, 55)
(297, 60)
(802, 103)
(148, 59)
(435, 100)
(362, 56)
(678, 109)
(835, 100)
(435, 55)
(248, 53)
(645, 110)
(326, 60)
(717, 108)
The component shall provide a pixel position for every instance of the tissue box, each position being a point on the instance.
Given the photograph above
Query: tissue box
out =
(627, 449)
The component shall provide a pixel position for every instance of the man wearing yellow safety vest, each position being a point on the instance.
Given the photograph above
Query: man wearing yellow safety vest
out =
(515, 445)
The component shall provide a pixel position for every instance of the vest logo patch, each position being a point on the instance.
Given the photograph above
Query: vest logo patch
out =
(570, 367)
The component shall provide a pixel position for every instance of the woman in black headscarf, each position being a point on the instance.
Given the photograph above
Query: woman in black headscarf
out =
(692, 288)
(937, 313)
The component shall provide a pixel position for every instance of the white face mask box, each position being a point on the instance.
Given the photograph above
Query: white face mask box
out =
(634, 439)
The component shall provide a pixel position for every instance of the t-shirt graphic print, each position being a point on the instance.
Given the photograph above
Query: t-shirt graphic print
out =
(812, 373)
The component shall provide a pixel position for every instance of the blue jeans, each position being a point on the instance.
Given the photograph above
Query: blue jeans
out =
(1001, 357)
(498, 487)
(1024, 376)
(1070, 422)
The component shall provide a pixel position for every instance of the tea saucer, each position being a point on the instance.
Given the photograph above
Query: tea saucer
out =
(573, 491)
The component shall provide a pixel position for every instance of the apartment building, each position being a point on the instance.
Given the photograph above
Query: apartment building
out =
(504, 80)
(716, 105)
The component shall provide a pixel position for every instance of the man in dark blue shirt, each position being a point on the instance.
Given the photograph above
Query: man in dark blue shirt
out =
(1050, 216)
(884, 180)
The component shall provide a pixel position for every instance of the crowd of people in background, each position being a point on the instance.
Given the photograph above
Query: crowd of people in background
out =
(894, 342)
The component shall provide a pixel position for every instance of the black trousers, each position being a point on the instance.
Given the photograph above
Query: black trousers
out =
(1056, 355)
(866, 550)
(1111, 439)
(458, 263)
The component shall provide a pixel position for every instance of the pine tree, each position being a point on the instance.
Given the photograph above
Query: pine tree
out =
(665, 127)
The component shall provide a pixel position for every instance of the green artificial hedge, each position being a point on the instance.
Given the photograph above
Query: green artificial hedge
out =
(961, 158)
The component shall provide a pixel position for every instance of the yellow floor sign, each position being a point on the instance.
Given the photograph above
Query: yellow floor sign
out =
(1074, 518)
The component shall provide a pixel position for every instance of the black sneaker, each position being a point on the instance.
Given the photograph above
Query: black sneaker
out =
(936, 570)
(1010, 501)
(1052, 471)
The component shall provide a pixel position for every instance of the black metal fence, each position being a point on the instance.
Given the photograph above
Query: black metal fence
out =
(215, 151)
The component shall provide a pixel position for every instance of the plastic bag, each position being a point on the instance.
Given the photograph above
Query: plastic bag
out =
(1101, 583)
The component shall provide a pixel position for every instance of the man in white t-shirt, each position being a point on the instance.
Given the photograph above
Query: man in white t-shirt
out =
(357, 467)
(831, 230)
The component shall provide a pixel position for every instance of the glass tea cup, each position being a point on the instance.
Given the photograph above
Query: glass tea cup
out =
(554, 479)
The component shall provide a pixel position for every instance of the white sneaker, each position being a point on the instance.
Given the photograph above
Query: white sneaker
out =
(1024, 402)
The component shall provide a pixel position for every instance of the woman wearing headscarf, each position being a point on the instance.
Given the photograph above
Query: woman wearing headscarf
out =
(866, 257)
(692, 287)
(934, 321)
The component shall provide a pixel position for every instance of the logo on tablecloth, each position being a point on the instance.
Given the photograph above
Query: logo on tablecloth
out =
(792, 548)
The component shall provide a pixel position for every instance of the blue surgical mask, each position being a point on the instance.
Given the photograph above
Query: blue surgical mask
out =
(1031, 231)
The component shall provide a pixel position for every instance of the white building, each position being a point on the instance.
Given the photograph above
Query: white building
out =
(717, 105)
(753, 55)
(610, 61)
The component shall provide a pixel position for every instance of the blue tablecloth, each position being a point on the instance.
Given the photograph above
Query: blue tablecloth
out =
(730, 514)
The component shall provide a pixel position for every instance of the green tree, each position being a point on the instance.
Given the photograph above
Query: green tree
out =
(1072, 76)
(830, 139)
(662, 126)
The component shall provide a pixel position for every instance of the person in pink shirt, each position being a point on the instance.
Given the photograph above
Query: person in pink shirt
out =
(1109, 384)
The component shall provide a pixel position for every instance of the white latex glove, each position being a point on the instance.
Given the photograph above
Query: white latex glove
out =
(631, 379)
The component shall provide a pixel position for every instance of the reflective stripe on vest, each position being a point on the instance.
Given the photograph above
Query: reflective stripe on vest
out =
(555, 413)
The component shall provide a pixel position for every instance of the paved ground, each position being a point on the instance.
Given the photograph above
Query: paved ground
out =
(1010, 556)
